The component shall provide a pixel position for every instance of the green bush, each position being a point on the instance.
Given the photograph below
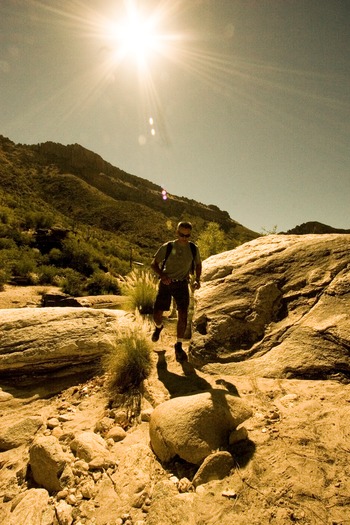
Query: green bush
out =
(47, 274)
(211, 241)
(7, 244)
(101, 283)
(4, 277)
(37, 219)
(54, 257)
(78, 255)
(140, 287)
(129, 363)
(24, 262)
(72, 283)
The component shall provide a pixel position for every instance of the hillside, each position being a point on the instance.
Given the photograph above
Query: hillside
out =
(70, 219)
(315, 228)
(79, 188)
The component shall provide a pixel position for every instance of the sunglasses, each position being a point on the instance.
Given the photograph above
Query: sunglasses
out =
(185, 235)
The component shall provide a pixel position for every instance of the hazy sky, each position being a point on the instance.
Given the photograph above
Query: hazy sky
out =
(244, 104)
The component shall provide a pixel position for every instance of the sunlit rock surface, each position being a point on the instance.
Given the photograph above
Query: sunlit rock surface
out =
(277, 306)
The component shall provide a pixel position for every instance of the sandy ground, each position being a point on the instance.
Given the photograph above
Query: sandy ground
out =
(295, 467)
(23, 296)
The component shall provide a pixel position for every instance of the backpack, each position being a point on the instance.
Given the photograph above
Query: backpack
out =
(170, 247)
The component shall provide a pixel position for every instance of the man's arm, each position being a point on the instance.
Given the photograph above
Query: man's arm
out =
(163, 276)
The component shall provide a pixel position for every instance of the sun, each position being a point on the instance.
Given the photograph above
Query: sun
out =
(135, 37)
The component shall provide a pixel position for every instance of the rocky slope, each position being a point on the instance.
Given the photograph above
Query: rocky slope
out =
(286, 462)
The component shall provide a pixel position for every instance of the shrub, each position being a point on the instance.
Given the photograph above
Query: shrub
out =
(72, 283)
(47, 274)
(129, 363)
(78, 255)
(25, 264)
(54, 256)
(140, 287)
(7, 244)
(4, 276)
(101, 283)
(212, 241)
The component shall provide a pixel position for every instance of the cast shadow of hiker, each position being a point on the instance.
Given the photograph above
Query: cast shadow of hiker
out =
(189, 384)
(178, 385)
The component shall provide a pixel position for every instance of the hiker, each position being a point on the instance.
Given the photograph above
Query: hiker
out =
(173, 262)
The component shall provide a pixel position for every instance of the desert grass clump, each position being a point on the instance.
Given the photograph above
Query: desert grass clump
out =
(140, 287)
(127, 365)
(129, 362)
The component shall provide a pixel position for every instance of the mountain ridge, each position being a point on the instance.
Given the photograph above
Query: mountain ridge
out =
(51, 185)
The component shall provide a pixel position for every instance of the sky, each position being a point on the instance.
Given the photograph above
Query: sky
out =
(244, 104)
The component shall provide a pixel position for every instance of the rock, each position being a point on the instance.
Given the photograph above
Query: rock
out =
(240, 434)
(90, 447)
(13, 473)
(104, 425)
(215, 466)
(4, 396)
(31, 508)
(13, 435)
(64, 513)
(59, 299)
(102, 301)
(117, 433)
(195, 426)
(48, 461)
(146, 414)
(277, 306)
(184, 485)
(44, 339)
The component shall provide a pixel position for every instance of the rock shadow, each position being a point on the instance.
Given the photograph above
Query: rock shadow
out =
(45, 386)
(242, 452)
(178, 385)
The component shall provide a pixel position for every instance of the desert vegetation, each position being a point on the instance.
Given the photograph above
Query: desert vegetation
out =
(70, 219)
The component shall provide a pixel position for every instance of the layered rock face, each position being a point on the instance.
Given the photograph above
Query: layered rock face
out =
(43, 339)
(277, 306)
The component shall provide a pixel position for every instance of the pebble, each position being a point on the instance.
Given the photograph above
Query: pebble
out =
(230, 493)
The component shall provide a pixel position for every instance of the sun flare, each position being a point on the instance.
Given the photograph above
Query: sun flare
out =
(135, 37)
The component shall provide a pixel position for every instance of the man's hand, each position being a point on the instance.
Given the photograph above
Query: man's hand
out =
(196, 285)
(165, 279)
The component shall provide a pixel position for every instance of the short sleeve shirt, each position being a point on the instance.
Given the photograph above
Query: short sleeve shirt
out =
(179, 262)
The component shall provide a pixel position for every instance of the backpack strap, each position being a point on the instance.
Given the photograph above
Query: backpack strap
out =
(194, 253)
(169, 247)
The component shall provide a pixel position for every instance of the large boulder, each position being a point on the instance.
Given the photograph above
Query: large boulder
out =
(44, 339)
(277, 306)
(193, 427)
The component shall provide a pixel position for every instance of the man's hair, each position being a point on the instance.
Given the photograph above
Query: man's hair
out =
(185, 225)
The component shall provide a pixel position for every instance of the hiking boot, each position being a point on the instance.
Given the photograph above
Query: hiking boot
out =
(155, 335)
(180, 354)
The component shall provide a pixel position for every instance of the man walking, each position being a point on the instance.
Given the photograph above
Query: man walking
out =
(173, 262)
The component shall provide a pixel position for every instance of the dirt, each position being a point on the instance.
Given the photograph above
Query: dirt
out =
(294, 468)
(23, 296)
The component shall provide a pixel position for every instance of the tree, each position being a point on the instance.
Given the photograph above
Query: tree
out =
(212, 241)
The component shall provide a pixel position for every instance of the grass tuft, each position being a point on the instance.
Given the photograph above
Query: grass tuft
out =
(129, 363)
(140, 287)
